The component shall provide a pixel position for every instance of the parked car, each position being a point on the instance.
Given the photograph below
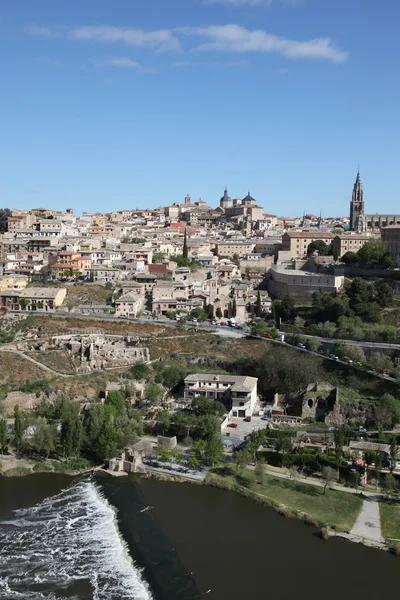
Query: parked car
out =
(223, 323)
(194, 320)
(321, 352)
(233, 425)
(333, 357)
(265, 418)
(122, 317)
(383, 371)
(302, 346)
(266, 335)
(3, 308)
(247, 419)
(362, 430)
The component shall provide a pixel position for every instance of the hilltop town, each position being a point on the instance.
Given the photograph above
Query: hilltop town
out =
(174, 339)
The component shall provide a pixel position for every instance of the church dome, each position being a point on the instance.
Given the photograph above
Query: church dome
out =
(249, 198)
(225, 197)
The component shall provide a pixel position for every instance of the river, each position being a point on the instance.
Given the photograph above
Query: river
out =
(79, 538)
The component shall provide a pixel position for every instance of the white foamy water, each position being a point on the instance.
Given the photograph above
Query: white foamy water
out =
(67, 538)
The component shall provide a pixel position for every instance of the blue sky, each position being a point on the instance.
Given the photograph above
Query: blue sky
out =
(111, 104)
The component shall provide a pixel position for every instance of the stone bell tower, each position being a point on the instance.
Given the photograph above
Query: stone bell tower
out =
(357, 206)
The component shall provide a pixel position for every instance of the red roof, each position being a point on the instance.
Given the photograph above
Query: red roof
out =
(158, 268)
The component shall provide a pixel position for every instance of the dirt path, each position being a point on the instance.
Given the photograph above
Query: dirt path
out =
(368, 524)
(35, 362)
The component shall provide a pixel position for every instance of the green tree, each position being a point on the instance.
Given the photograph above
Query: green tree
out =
(198, 451)
(4, 214)
(218, 313)
(234, 308)
(257, 308)
(77, 436)
(350, 258)
(185, 250)
(66, 437)
(193, 462)
(287, 308)
(140, 371)
(319, 246)
(158, 257)
(23, 303)
(18, 428)
(3, 435)
(312, 344)
(378, 467)
(383, 294)
(91, 276)
(393, 454)
(154, 393)
(163, 420)
(374, 253)
(339, 440)
(259, 472)
(214, 452)
(116, 400)
(329, 475)
(207, 426)
(205, 406)
(173, 375)
(254, 441)
(386, 412)
(209, 275)
(390, 484)
(241, 459)
(355, 353)
(200, 314)
(44, 437)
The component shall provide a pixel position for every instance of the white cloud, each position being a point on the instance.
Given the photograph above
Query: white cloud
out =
(234, 38)
(123, 62)
(160, 39)
(41, 31)
(211, 64)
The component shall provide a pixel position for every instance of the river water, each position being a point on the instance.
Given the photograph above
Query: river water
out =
(91, 539)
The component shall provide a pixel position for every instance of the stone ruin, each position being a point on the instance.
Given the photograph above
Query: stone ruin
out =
(93, 352)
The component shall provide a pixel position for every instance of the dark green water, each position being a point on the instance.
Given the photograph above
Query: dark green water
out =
(65, 539)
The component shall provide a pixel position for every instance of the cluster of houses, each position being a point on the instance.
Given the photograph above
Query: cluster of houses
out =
(236, 249)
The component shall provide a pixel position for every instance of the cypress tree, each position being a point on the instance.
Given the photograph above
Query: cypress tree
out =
(17, 427)
(185, 248)
(258, 305)
(234, 308)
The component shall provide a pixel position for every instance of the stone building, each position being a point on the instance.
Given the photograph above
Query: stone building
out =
(295, 243)
(97, 352)
(318, 402)
(300, 284)
(361, 222)
(391, 235)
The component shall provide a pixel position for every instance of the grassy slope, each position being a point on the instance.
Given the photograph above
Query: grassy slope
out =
(337, 509)
(58, 360)
(390, 520)
(16, 370)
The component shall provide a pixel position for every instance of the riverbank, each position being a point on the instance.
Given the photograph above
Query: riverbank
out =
(334, 509)
(13, 466)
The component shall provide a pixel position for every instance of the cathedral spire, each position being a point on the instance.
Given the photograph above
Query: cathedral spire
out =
(357, 204)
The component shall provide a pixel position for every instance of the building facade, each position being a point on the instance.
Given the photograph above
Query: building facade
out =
(239, 393)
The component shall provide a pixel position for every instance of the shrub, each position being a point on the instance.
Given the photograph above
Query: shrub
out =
(41, 466)
(324, 533)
